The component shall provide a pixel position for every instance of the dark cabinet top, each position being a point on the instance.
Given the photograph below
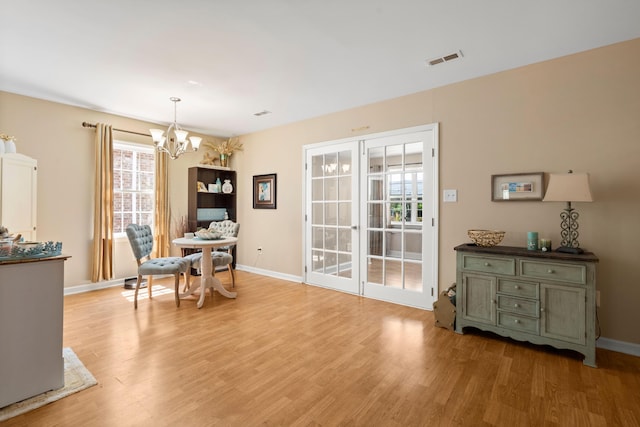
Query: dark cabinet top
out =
(524, 252)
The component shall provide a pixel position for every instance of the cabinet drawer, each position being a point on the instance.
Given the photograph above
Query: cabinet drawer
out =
(518, 323)
(518, 305)
(572, 273)
(519, 289)
(489, 264)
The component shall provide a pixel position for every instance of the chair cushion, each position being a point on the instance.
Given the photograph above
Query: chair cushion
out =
(218, 258)
(167, 265)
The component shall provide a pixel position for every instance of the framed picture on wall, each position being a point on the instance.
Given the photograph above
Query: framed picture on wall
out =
(264, 191)
(517, 187)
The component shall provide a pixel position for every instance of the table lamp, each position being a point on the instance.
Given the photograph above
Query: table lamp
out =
(569, 187)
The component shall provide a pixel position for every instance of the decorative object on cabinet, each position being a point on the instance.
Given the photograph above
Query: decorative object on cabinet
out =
(174, 143)
(7, 144)
(202, 188)
(569, 187)
(517, 187)
(539, 297)
(227, 187)
(264, 191)
(202, 208)
(224, 149)
(486, 238)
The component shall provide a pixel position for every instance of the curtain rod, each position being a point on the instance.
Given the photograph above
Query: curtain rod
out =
(90, 125)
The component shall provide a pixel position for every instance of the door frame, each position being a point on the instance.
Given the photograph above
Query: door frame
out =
(436, 199)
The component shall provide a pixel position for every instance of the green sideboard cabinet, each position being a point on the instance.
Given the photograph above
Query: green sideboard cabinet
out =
(539, 297)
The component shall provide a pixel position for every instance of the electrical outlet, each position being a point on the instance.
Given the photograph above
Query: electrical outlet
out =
(450, 196)
(259, 250)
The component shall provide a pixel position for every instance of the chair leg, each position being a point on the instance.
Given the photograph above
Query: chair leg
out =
(177, 289)
(233, 276)
(149, 285)
(135, 295)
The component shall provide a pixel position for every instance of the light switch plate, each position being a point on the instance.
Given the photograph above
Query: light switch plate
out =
(450, 196)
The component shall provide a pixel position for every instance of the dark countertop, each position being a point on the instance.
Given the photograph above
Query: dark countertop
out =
(524, 252)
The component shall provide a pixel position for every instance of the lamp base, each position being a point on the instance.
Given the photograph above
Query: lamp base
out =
(568, 250)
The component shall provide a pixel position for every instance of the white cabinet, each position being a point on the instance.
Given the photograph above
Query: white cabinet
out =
(540, 297)
(18, 194)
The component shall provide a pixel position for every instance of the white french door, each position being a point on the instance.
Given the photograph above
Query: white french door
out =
(331, 216)
(371, 211)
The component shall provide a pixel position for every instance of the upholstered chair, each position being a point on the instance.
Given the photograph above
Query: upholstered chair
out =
(221, 256)
(141, 240)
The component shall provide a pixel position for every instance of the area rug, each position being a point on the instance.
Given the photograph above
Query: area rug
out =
(76, 378)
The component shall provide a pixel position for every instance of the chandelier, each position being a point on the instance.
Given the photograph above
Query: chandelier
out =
(175, 142)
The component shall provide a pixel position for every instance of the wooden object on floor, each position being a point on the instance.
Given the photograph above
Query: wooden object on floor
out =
(444, 312)
(287, 354)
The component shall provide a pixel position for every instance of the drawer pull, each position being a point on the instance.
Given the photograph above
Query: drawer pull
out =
(517, 321)
(550, 271)
(516, 287)
(486, 264)
(516, 305)
(541, 309)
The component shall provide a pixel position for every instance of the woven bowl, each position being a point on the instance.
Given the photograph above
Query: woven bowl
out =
(208, 234)
(486, 238)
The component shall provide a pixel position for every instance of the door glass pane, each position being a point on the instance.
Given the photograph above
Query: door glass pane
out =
(331, 263)
(374, 270)
(331, 239)
(345, 163)
(344, 263)
(375, 243)
(317, 162)
(317, 260)
(330, 189)
(376, 188)
(344, 189)
(330, 164)
(413, 276)
(344, 240)
(331, 213)
(393, 157)
(317, 213)
(344, 214)
(375, 215)
(413, 246)
(318, 237)
(376, 157)
(317, 192)
(393, 273)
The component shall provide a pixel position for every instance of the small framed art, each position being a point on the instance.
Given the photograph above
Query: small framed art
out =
(264, 191)
(517, 187)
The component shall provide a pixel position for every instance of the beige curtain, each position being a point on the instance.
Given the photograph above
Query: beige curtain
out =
(102, 268)
(162, 239)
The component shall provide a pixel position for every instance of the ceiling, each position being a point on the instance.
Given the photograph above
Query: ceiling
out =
(229, 59)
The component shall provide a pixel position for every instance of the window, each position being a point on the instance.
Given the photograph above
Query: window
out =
(133, 185)
(411, 199)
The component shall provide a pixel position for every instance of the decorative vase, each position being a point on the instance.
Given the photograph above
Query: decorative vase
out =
(9, 146)
(227, 187)
(224, 160)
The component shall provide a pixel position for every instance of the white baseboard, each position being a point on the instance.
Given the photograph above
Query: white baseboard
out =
(619, 346)
(269, 273)
(78, 289)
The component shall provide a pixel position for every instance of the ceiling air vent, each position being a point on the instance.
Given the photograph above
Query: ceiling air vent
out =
(261, 113)
(442, 59)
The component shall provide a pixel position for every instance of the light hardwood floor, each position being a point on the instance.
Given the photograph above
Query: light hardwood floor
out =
(295, 355)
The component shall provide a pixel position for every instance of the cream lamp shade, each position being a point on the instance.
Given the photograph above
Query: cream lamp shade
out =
(568, 187)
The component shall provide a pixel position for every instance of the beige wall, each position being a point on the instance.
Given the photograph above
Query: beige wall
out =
(579, 112)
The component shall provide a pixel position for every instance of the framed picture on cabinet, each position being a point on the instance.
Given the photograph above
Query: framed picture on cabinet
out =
(264, 191)
(517, 187)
